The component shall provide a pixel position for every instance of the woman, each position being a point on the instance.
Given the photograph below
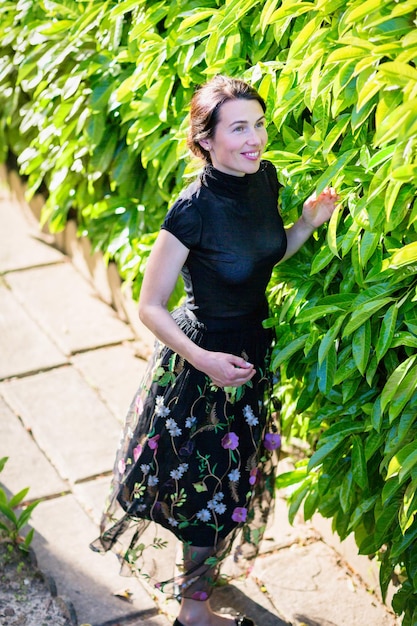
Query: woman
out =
(197, 456)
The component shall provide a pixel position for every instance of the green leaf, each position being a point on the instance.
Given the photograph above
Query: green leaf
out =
(346, 493)
(297, 498)
(18, 497)
(326, 371)
(26, 514)
(361, 346)
(327, 447)
(358, 463)
(403, 394)
(9, 513)
(384, 520)
(329, 176)
(363, 313)
(335, 133)
(329, 339)
(369, 243)
(405, 256)
(332, 230)
(395, 380)
(403, 462)
(281, 356)
(377, 415)
(311, 504)
(361, 509)
(287, 479)
(399, 74)
(387, 330)
(399, 547)
(321, 260)
(360, 10)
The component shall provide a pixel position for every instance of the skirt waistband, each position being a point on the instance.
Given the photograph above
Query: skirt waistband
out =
(228, 324)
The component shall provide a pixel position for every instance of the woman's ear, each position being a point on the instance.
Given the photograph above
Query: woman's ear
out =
(205, 144)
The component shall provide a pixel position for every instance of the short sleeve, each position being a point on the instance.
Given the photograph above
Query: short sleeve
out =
(184, 222)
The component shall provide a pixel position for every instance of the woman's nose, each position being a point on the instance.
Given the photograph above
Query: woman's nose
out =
(254, 139)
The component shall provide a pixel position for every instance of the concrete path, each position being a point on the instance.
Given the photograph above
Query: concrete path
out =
(68, 369)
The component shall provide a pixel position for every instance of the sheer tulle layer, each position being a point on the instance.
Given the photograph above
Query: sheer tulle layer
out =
(198, 461)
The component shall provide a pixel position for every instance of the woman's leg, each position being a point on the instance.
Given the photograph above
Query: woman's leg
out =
(202, 572)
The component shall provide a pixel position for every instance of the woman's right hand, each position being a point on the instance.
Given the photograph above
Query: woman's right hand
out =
(225, 370)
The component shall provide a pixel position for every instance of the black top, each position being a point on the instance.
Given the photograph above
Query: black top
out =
(235, 235)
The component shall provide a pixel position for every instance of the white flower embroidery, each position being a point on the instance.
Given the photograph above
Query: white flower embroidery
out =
(190, 421)
(160, 408)
(250, 416)
(153, 480)
(204, 515)
(234, 476)
(212, 504)
(179, 472)
(172, 427)
(172, 521)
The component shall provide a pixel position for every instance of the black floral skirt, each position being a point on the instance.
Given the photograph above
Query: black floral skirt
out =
(196, 459)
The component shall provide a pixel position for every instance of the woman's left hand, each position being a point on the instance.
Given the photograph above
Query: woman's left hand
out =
(318, 209)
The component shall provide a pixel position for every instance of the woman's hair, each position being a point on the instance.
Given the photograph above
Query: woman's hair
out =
(205, 107)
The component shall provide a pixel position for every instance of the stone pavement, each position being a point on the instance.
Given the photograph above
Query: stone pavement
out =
(68, 369)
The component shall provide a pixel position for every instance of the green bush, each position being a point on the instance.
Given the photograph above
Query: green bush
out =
(93, 100)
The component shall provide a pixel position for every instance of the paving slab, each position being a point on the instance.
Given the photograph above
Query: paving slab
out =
(91, 495)
(24, 246)
(66, 306)
(89, 580)
(312, 587)
(68, 420)
(367, 568)
(24, 346)
(17, 444)
(115, 372)
(281, 534)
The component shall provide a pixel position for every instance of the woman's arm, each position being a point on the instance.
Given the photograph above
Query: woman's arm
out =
(316, 211)
(167, 257)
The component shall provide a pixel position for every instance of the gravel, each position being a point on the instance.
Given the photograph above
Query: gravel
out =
(27, 597)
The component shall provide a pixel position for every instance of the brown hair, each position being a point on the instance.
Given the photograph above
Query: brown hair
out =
(205, 107)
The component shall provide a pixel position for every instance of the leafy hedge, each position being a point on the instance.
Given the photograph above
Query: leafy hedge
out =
(93, 99)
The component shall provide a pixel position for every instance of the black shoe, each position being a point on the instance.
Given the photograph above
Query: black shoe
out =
(242, 620)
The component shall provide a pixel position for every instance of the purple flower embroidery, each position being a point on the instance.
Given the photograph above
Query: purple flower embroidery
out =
(239, 514)
(153, 442)
(199, 595)
(122, 466)
(137, 452)
(230, 441)
(272, 441)
(254, 474)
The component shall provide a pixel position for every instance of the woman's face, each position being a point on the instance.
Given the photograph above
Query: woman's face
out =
(239, 138)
